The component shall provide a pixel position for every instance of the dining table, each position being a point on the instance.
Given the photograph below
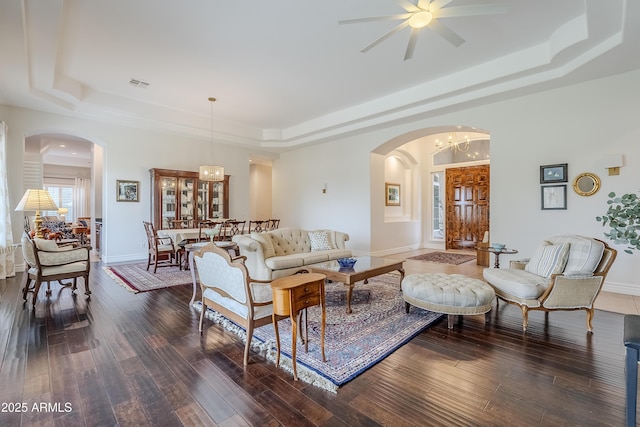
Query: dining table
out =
(180, 234)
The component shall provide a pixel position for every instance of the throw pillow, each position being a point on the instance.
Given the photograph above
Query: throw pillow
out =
(548, 260)
(319, 241)
(267, 244)
(46, 245)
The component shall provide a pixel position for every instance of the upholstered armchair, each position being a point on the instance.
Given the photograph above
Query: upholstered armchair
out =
(228, 289)
(566, 273)
(47, 262)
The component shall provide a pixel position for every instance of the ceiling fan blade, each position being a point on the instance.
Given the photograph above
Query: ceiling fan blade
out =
(413, 38)
(407, 5)
(446, 33)
(399, 27)
(375, 18)
(423, 4)
(437, 4)
(484, 9)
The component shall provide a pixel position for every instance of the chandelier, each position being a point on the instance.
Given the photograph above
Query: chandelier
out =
(454, 143)
(211, 172)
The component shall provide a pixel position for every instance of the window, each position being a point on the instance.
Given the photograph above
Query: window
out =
(63, 197)
(438, 205)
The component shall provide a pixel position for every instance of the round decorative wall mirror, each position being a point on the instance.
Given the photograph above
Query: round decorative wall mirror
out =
(586, 184)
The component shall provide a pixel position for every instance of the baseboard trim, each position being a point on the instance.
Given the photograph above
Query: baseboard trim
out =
(621, 288)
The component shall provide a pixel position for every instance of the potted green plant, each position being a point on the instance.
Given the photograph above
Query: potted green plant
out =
(623, 216)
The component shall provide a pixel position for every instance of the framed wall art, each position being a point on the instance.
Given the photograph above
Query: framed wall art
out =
(553, 173)
(554, 197)
(127, 191)
(392, 194)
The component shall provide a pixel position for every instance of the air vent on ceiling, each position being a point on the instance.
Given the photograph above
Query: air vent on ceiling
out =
(138, 83)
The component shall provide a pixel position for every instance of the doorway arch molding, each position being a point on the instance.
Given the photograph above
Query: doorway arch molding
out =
(398, 141)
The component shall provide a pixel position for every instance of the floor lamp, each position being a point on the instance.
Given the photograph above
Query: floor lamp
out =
(37, 200)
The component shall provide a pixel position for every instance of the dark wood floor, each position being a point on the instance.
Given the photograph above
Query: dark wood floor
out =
(134, 360)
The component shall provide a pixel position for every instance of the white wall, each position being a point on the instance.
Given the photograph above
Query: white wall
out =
(578, 125)
(128, 153)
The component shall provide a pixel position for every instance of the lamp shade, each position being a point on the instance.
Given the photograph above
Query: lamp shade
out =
(63, 211)
(211, 173)
(36, 200)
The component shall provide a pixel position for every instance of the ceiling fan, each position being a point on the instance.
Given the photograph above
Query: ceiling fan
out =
(427, 13)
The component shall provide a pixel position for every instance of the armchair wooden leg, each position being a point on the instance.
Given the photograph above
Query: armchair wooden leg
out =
(25, 291)
(247, 346)
(204, 308)
(590, 312)
(36, 289)
(525, 317)
(87, 290)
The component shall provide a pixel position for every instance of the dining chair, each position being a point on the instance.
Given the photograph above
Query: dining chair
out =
(207, 229)
(162, 251)
(258, 226)
(231, 228)
(274, 224)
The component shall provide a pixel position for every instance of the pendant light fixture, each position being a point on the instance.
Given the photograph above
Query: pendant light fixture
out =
(211, 172)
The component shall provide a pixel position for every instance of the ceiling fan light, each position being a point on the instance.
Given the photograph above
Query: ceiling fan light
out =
(420, 19)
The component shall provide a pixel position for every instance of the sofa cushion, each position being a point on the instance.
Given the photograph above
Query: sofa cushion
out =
(319, 241)
(284, 261)
(265, 241)
(314, 257)
(516, 282)
(46, 245)
(584, 254)
(548, 260)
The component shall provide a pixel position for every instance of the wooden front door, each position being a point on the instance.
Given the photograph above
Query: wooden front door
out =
(467, 212)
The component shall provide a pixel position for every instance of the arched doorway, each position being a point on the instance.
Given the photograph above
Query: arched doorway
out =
(71, 168)
(434, 157)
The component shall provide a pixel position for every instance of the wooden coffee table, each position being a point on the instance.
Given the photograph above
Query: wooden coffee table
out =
(365, 268)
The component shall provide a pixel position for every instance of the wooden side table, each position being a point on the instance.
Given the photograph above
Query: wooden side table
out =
(497, 253)
(292, 295)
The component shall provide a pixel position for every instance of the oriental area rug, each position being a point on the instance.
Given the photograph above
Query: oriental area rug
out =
(135, 277)
(353, 342)
(444, 258)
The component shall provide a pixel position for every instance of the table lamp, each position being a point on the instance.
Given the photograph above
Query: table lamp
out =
(61, 214)
(37, 200)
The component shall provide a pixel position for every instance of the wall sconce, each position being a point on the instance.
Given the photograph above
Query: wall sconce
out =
(324, 188)
(613, 163)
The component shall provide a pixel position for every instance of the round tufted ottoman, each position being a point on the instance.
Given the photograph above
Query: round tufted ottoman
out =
(450, 294)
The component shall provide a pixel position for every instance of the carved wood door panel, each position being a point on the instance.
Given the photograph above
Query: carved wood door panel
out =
(467, 211)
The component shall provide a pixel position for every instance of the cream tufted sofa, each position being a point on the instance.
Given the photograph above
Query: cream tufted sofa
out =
(284, 251)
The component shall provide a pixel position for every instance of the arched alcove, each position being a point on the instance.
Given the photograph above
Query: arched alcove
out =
(409, 159)
(68, 159)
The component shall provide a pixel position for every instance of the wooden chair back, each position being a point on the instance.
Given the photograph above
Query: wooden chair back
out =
(231, 228)
(162, 251)
(259, 226)
(208, 225)
(274, 224)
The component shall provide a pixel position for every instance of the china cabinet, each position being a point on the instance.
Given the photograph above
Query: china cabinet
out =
(180, 200)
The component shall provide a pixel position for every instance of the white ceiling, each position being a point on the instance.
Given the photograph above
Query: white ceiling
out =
(285, 73)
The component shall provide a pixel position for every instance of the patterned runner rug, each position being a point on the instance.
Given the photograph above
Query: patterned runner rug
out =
(353, 342)
(444, 258)
(135, 277)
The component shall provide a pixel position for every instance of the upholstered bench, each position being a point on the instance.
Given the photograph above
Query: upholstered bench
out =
(451, 294)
